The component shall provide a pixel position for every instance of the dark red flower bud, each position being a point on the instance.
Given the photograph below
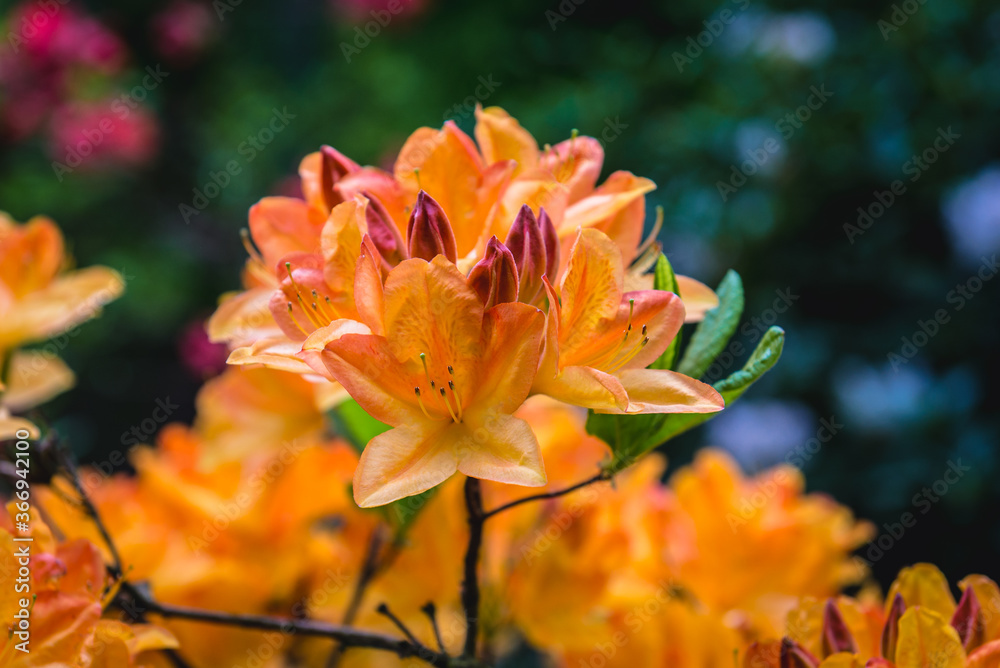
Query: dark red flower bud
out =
(383, 232)
(428, 233)
(836, 636)
(890, 633)
(335, 166)
(535, 247)
(494, 277)
(794, 655)
(968, 620)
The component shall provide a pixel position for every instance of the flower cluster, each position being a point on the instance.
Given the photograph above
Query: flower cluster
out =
(399, 288)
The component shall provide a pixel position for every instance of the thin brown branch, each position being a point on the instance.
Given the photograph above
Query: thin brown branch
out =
(600, 477)
(470, 583)
(431, 611)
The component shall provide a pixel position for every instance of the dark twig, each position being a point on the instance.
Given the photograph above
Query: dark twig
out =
(368, 569)
(384, 610)
(470, 583)
(602, 476)
(431, 611)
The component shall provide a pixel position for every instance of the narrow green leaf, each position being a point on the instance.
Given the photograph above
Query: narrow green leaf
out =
(632, 436)
(664, 279)
(716, 329)
(355, 425)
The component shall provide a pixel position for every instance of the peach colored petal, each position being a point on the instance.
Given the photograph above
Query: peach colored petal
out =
(30, 255)
(374, 182)
(584, 386)
(614, 195)
(985, 656)
(924, 585)
(69, 300)
(278, 352)
(405, 461)
(367, 368)
(369, 292)
(661, 391)
(311, 179)
(591, 289)
(698, 298)
(513, 335)
(341, 244)
(243, 317)
(501, 137)
(10, 426)
(503, 449)
(283, 225)
(989, 598)
(576, 162)
(34, 378)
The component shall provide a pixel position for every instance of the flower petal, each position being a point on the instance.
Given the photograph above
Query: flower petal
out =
(69, 300)
(277, 352)
(600, 207)
(365, 365)
(10, 426)
(926, 586)
(513, 338)
(405, 461)
(926, 639)
(576, 162)
(584, 386)
(698, 298)
(662, 391)
(34, 378)
(503, 449)
(501, 137)
(591, 290)
(283, 225)
(243, 316)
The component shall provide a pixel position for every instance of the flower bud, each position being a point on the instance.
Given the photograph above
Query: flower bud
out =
(429, 233)
(890, 632)
(335, 166)
(535, 247)
(837, 636)
(968, 620)
(794, 655)
(494, 277)
(383, 232)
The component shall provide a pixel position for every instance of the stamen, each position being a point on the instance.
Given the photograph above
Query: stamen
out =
(291, 314)
(315, 320)
(458, 402)
(631, 310)
(444, 398)
(427, 374)
(420, 401)
(628, 358)
(248, 245)
(323, 311)
(416, 173)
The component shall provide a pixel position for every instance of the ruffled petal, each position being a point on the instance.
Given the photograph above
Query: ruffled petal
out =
(503, 449)
(584, 386)
(661, 391)
(405, 461)
(501, 137)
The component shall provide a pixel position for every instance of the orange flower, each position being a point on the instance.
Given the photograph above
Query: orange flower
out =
(38, 300)
(447, 374)
(65, 594)
(600, 339)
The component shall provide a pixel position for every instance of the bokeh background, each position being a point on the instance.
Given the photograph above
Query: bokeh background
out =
(167, 93)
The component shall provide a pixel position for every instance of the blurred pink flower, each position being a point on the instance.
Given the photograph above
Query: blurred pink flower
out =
(94, 135)
(183, 30)
(201, 357)
(382, 11)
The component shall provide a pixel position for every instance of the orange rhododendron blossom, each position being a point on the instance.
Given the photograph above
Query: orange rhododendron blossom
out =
(301, 277)
(599, 340)
(39, 300)
(920, 625)
(61, 600)
(429, 360)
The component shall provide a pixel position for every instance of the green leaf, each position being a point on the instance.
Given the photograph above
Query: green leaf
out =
(664, 279)
(356, 426)
(632, 436)
(716, 329)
